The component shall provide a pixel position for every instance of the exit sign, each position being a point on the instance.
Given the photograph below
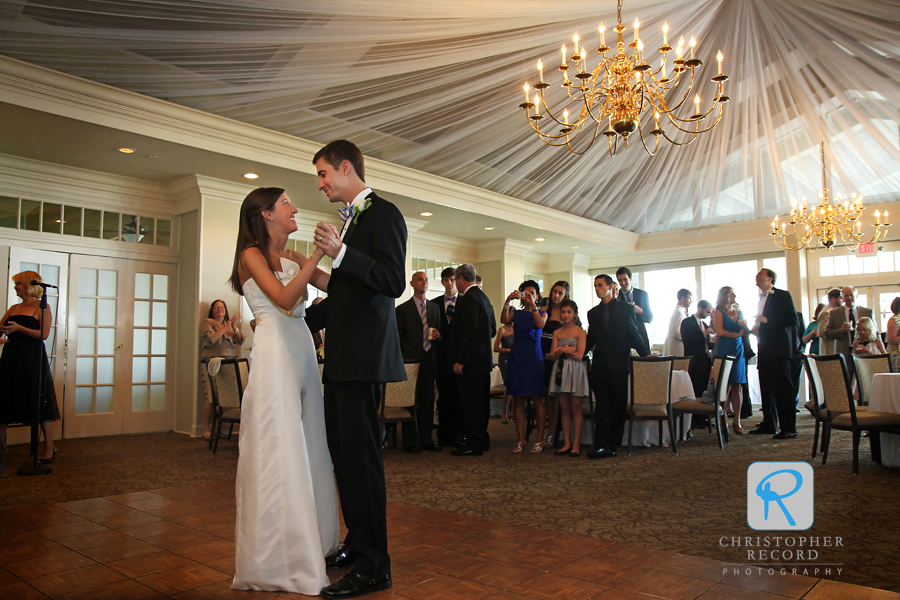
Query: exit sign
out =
(866, 250)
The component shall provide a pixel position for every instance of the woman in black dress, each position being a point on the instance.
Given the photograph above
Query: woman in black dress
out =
(19, 364)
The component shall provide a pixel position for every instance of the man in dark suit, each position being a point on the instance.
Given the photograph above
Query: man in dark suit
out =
(418, 324)
(776, 328)
(471, 353)
(612, 333)
(362, 352)
(695, 335)
(636, 298)
(450, 427)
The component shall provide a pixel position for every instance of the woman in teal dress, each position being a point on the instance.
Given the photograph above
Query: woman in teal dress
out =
(730, 326)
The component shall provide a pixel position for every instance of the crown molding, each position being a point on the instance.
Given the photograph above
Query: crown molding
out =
(43, 89)
(497, 248)
(414, 225)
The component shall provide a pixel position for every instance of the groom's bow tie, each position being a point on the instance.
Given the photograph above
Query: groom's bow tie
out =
(345, 213)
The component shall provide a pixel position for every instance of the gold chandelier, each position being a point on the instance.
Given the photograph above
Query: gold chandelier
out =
(620, 88)
(824, 225)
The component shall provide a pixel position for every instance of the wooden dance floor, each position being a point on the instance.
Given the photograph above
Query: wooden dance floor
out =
(179, 543)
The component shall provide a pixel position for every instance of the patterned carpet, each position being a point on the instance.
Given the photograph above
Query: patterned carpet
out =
(683, 503)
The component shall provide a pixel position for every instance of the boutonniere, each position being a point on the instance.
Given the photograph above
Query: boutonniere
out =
(358, 210)
(770, 291)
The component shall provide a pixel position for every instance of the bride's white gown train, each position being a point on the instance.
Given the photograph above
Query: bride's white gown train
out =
(287, 508)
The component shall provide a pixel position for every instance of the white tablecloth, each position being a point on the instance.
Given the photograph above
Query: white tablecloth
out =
(886, 398)
(646, 433)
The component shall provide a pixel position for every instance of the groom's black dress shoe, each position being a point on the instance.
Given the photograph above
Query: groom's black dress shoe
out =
(602, 453)
(434, 448)
(352, 585)
(784, 435)
(344, 557)
(464, 451)
(762, 431)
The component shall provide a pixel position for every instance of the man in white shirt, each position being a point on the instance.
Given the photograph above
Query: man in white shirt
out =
(674, 345)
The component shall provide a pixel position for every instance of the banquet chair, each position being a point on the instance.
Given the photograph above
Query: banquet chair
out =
(817, 404)
(226, 393)
(866, 367)
(651, 396)
(244, 372)
(721, 370)
(588, 403)
(682, 363)
(398, 403)
(843, 414)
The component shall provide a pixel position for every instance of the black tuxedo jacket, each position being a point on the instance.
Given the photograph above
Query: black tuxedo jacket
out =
(696, 346)
(642, 299)
(472, 333)
(778, 336)
(446, 331)
(409, 328)
(612, 346)
(362, 342)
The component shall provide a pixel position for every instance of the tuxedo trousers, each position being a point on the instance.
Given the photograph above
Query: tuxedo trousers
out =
(355, 444)
(474, 399)
(450, 419)
(424, 406)
(778, 388)
(611, 397)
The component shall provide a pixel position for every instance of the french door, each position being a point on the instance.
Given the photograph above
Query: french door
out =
(53, 267)
(118, 377)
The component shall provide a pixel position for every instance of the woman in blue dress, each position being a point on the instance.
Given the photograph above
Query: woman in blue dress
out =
(525, 364)
(730, 325)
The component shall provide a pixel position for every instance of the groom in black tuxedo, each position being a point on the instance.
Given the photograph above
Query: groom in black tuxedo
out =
(362, 352)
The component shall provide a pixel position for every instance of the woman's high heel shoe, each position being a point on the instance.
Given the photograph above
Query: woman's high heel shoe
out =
(52, 459)
(738, 429)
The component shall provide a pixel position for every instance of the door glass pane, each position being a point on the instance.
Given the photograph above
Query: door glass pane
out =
(51, 339)
(141, 314)
(139, 398)
(142, 285)
(160, 287)
(130, 228)
(141, 341)
(105, 399)
(84, 401)
(158, 368)
(30, 217)
(87, 283)
(107, 284)
(163, 232)
(106, 313)
(147, 226)
(157, 397)
(139, 369)
(9, 211)
(159, 341)
(86, 340)
(105, 369)
(106, 340)
(29, 266)
(50, 274)
(84, 371)
(159, 314)
(110, 225)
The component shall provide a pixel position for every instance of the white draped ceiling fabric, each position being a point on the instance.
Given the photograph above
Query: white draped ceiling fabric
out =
(435, 85)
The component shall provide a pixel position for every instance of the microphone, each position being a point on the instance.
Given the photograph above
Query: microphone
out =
(43, 285)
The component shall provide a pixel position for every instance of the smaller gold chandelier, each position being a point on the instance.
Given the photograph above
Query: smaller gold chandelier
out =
(620, 88)
(825, 225)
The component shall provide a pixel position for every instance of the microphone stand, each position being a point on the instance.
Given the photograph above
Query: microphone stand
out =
(35, 468)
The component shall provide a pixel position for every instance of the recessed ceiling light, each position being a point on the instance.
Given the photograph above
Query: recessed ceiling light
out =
(574, 247)
(125, 150)
(488, 228)
(251, 175)
(540, 240)
(426, 214)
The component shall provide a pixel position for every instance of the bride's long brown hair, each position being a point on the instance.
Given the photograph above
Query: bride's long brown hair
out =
(252, 228)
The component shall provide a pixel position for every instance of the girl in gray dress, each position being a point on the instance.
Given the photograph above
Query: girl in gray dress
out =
(569, 380)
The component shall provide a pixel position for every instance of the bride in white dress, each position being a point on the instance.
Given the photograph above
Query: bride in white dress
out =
(286, 500)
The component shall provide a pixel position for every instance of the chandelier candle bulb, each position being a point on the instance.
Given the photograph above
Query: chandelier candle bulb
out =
(679, 51)
(527, 96)
(563, 63)
(602, 35)
(636, 25)
(565, 117)
(665, 34)
(693, 43)
(719, 59)
(541, 70)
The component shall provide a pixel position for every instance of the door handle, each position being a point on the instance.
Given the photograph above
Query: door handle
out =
(119, 347)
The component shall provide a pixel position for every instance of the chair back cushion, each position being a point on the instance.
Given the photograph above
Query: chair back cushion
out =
(402, 393)
(716, 365)
(226, 390)
(722, 382)
(682, 363)
(651, 381)
(815, 383)
(866, 367)
(244, 371)
(835, 382)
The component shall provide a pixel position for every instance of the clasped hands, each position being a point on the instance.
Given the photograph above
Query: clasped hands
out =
(327, 240)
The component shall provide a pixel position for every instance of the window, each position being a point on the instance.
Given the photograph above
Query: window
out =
(431, 268)
(662, 287)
